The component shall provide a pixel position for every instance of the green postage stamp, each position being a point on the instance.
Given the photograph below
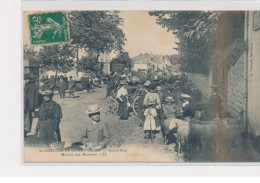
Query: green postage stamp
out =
(48, 28)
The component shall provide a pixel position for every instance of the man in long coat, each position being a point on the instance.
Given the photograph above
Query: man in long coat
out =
(71, 87)
(141, 108)
(30, 101)
(62, 87)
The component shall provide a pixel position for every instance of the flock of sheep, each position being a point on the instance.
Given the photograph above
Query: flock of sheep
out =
(196, 134)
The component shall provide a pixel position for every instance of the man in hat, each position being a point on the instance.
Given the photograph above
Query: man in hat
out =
(50, 114)
(141, 108)
(122, 95)
(169, 108)
(152, 96)
(97, 135)
(215, 104)
(30, 101)
(159, 110)
(186, 110)
(62, 86)
(71, 87)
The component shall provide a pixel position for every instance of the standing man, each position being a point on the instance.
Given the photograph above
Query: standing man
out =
(152, 96)
(159, 110)
(141, 108)
(71, 87)
(62, 87)
(30, 101)
(215, 104)
(50, 114)
(87, 85)
(186, 110)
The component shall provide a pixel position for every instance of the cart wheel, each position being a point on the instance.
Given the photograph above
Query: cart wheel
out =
(112, 105)
(136, 105)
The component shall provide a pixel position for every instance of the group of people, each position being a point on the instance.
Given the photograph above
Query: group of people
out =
(155, 106)
(49, 114)
(62, 83)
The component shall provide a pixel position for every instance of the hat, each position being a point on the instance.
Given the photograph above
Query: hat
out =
(46, 92)
(93, 109)
(123, 76)
(169, 99)
(150, 102)
(29, 76)
(158, 88)
(185, 96)
(47, 89)
(123, 82)
(147, 83)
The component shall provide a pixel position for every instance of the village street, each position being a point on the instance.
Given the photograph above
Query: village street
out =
(125, 134)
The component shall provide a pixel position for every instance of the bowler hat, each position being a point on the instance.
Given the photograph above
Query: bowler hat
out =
(93, 109)
(29, 76)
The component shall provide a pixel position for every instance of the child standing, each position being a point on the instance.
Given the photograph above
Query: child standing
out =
(149, 123)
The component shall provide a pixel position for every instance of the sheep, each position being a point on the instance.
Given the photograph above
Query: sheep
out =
(169, 127)
(204, 136)
(183, 133)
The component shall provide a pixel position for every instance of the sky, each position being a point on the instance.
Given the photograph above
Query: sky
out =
(145, 36)
(142, 33)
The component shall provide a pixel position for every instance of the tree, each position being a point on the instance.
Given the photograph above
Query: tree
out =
(88, 63)
(200, 34)
(57, 57)
(97, 31)
(192, 28)
(120, 62)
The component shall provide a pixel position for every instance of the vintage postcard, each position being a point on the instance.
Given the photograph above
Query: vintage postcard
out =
(141, 86)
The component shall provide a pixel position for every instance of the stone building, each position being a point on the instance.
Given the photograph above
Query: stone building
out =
(236, 71)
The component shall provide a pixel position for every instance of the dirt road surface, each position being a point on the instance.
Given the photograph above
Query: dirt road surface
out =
(125, 134)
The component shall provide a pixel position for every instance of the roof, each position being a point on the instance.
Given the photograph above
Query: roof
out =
(148, 59)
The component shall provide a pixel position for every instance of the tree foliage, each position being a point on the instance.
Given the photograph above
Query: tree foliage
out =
(88, 63)
(200, 33)
(120, 62)
(57, 57)
(97, 31)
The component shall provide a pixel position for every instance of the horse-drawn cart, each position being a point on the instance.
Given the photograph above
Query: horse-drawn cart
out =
(112, 103)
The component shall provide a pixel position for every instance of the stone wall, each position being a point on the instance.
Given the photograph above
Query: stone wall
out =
(235, 88)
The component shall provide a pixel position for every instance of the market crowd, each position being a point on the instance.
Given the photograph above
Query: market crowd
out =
(156, 103)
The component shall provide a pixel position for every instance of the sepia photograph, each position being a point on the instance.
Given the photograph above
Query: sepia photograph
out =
(141, 86)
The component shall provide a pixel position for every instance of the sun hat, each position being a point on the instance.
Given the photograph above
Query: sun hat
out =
(169, 99)
(93, 109)
(185, 96)
(158, 88)
(147, 83)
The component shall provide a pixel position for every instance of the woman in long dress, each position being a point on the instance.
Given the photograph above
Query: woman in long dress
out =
(122, 95)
